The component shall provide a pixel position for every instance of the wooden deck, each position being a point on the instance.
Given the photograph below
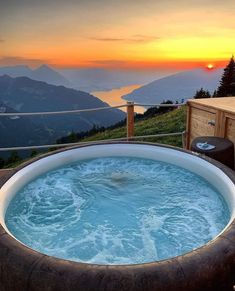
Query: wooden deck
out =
(5, 175)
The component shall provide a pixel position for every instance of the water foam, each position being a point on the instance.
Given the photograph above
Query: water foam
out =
(117, 211)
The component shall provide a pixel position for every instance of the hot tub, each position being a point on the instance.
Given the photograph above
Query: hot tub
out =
(208, 267)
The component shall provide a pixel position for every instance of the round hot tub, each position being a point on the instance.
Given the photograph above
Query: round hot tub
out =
(118, 216)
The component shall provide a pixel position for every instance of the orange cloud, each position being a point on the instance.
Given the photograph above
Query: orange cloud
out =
(135, 38)
(11, 61)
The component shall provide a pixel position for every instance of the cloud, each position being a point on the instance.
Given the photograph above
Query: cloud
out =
(2, 40)
(108, 63)
(107, 39)
(144, 38)
(134, 38)
(12, 61)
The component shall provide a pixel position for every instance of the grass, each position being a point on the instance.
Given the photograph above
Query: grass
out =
(174, 121)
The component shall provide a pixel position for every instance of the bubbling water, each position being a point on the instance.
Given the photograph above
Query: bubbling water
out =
(117, 210)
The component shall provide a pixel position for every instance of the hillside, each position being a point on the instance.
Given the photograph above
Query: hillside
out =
(25, 95)
(16, 130)
(46, 74)
(174, 121)
(176, 87)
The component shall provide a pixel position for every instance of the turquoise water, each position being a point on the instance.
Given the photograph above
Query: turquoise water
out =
(117, 211)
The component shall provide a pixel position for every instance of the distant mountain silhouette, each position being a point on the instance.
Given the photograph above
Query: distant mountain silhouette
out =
(22, 94)
(43, 73)
(97, 79)
(176, 87)
(88, 80)
(46, 74)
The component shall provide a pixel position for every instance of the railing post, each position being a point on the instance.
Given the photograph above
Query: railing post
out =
(130, 119)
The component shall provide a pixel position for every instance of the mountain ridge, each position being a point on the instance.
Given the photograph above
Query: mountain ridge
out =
(85, 79)
(176, 87)
(42, 73)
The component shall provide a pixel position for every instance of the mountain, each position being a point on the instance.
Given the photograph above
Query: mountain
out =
(96, 79)
(46, 74)
(22, 94)
(89, 79)
(43, 73)
(176, 87)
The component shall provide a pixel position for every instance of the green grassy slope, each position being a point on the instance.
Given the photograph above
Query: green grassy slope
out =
(174, 121)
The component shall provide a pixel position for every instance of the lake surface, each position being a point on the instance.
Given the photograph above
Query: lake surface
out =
(114, 97)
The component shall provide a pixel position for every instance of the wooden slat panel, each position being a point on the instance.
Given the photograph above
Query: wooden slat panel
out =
(220, 124)
(202, 107)
(224, 104)
(199, 123)
(188, 126)
(230, 129)
(202, 113)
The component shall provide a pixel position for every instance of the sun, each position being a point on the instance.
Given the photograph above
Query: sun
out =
(210, 66)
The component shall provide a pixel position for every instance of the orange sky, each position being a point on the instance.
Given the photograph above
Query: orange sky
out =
(116, 33)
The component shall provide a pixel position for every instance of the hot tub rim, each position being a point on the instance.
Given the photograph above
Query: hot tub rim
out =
(227, 234)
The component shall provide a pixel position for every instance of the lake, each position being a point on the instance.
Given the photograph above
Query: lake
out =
(114, 97)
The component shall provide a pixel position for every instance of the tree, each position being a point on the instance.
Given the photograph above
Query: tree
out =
(33, 153)
(73, 137)
(227, 82)
(202, 94)
(14, 158)
(153, 111)
(214, 94)
(2, 163)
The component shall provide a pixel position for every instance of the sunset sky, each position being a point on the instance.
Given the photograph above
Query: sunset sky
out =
(116, 33)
